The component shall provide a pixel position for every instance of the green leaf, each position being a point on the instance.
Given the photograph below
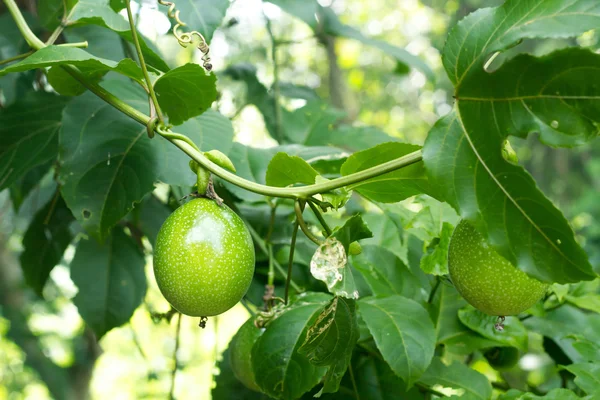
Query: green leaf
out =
(63, 83)
(324, 20)
(435, 260)
(495, 29)
(99, 12)
(587, 376)
(388, 232)
(293, 91)
(588, 302)
(589, 350)
(91, 65)
(403, 333)
(514, 333)
(354, 229)
(45, 242)
(51, 12)
(204, 16)
(285, 170)
(228, 386)
(111, 281)
(333, 334)
(24, 185)
(554, 394)
(457, 376)
(393, 186)
(185, 92)
(280, 371)
(28, 134)
(331, 339)
(354, 138)
(386, 274)
(502, 201)
(102, 42)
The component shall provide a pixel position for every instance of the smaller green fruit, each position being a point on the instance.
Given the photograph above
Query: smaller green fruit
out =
(354, 249)
(502, 358)
(487, 280)
(241, 352)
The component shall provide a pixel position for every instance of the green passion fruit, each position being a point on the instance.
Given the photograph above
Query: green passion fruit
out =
(487, 280)
(203, 258)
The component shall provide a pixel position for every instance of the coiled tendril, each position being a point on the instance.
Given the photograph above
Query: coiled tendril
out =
(185, 38)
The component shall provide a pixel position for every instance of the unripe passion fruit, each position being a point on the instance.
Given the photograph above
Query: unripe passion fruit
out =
(203, 259)
(486, 279)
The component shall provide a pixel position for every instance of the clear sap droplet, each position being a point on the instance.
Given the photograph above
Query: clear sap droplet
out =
(554, 124)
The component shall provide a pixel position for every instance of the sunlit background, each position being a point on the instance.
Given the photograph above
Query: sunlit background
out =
(137, 359)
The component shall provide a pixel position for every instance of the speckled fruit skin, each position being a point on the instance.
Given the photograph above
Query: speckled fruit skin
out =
(486, 279)
(241, 352)
(203, 259)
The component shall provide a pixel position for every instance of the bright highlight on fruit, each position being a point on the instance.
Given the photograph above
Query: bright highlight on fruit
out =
(203, 259)
(487, 280)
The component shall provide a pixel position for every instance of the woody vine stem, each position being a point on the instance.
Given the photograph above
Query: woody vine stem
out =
(188, 147)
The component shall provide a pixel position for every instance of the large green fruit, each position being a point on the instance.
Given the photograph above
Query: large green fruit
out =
(486, 279)
(203, 259)
(240, 353)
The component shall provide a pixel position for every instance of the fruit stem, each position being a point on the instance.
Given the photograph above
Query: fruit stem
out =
(319, 216)
(299, 207)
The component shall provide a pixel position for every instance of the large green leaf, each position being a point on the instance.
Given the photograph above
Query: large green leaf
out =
(551, 95)
(589, 301)
(91, 65)
(185, 92)
(111, 281)
(514, 333)
(587, 376)
(386, 274)
(99, 12)
(403, 333)
(458, 376)
(324, 20)
(152, 215)
(554, 394)
(285, 170)
(28, 134)
(227, 386)
(495, 29)
(280, 371)
(51, 12)
(45, 242)
(102, 42)
(393, 186)
(204, 16)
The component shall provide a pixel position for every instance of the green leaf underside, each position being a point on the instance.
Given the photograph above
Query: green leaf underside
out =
(393, 186)
(285, 170)
(29, 134)
(45, 242)
(185, 92)
(204, 16)
(514, 333)
(458, 376)
(435, 261)
(551, 95)
(111, 281)
(280, 371)
(59, 55)
(324, 19)
(403, 333)
(99, 12)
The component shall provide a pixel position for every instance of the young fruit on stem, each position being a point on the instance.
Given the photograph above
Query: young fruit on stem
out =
(204, 258)
(487, 280)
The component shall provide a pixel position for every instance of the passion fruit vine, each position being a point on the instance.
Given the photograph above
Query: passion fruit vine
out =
(488, 281)
(203, 258)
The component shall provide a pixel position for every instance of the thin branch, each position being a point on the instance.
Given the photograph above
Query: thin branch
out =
(16, 58)
(319, 216)
(291, 261)
(434, 289)
(136, 42)
(175, 363)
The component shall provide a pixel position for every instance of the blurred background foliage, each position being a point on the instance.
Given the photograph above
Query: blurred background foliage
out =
(136, 361)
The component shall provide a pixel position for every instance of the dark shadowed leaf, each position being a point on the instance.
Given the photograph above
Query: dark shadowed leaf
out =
(111, 281)
(45, 242)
